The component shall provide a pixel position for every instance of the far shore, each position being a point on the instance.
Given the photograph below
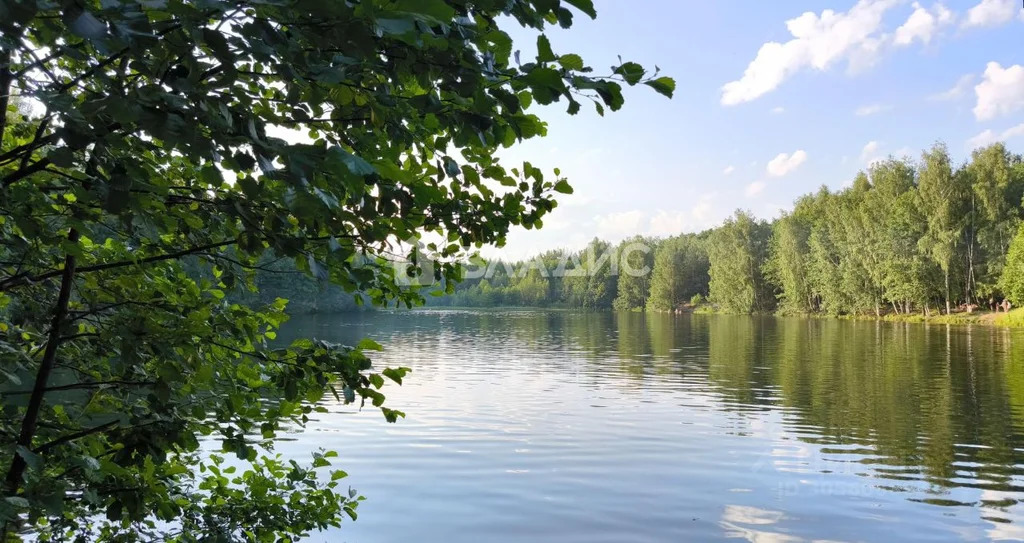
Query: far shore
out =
(1012, 319)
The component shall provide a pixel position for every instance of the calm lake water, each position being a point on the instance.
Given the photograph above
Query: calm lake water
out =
(603, 427)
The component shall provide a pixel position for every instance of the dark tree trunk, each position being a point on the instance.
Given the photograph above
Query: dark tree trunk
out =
(35, 403)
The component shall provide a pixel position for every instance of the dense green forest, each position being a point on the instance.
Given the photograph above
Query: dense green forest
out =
(906, 236)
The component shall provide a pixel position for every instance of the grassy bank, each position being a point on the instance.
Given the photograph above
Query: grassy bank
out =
(1013, 319)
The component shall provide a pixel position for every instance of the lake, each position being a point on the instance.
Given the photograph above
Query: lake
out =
(604, 427)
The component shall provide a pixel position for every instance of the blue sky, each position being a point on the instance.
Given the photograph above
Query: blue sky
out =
(773, 100)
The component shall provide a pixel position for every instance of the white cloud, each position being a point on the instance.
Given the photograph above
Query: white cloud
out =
(923, 24)
(959, 89)
(778, 110)
(701, 216)
(728, 170)
(871, 109)
(784, 163)
(873, 153)
(754, 188)
(903, 152)
(869, 153)
(988, 137)
(993, 13)
(984, 139)
(619, 225)
(819, 42)
(667, 223)
(1000, 92)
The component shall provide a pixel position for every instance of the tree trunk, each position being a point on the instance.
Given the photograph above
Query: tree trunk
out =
(949, 306)
(35, 403)
(970, 257)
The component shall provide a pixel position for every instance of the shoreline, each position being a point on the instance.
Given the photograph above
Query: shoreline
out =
(1013, 319)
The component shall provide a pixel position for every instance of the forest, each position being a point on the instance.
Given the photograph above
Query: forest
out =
(906, 236)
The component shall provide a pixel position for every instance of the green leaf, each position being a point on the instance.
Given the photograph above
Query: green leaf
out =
(61, 157)
(367, 344)
(215, 40)
(32, 459)
(563, 187)
(437, 10)
(546, 84)
(631, 72)
(85, 24)
(17, 501)
(338, 155)
(544, 53)
(611, 94)
(664, 85)
(571, 61)
(395, 374)
(451, 167)
(317, 269)
(391, 415)
(586, 6)
(525, 99)
(211, 175)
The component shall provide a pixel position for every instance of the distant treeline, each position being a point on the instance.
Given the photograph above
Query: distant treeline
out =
(305, 294)
(275, 278)
(905, 236)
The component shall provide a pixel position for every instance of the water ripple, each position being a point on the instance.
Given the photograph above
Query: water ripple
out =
(561, 426)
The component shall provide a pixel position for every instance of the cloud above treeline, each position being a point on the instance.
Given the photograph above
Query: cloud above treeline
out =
(855, 38)
(784, 163)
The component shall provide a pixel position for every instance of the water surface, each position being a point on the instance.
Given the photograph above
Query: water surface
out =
(604, 427)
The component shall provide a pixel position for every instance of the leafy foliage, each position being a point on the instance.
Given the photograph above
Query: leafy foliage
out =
(175, 153)
(634, 282)
(735, 253)
(680, 273)
(1012, 280)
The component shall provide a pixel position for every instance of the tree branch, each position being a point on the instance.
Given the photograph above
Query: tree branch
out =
(93, 384)
(22, 173)
(35, 403)
(71, 437)
(14, 153)
(16, 281)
